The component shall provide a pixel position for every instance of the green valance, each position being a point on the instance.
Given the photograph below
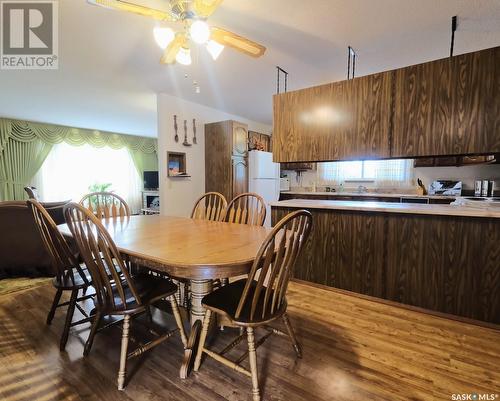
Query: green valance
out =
(24, 146)
(26, 131)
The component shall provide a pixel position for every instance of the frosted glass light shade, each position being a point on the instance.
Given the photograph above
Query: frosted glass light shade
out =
(215, 49)
(163, 36)
(183, 56)
(199, 31)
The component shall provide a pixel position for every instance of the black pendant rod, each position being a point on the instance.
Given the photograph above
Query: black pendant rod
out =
(453, 29)
(351, 59)
(280, 71)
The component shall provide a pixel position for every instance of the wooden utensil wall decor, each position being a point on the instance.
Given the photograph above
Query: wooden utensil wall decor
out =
(186, 143)
(175, 128)
(194, 131)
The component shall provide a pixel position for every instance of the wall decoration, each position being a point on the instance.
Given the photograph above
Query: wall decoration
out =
(175, 128)
(194, 131)
(186, 143)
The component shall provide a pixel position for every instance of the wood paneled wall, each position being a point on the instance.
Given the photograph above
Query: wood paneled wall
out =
(444, 263)
(444, 107)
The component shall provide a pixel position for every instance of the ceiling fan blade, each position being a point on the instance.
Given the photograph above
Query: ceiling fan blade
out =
(237, 42)
(120, 5)
(173, 48)
(205, 8)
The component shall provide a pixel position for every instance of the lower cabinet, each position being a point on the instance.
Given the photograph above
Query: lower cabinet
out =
(448, 264)
(239, 176)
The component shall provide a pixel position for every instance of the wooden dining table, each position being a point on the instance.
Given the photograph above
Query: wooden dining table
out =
(197, 250)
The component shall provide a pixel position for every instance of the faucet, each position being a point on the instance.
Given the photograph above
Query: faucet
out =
(362, 189)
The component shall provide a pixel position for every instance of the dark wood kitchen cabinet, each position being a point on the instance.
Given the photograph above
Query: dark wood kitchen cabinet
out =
(423, 110)
(448, 107)
(337, 121)
(226, 169)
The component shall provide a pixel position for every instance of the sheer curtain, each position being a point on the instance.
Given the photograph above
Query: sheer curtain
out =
(383, 173)
(69, 171)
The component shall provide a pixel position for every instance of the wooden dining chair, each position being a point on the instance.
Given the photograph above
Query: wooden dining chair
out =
(32, 192)
(118, 293)
(69, 275)
(210, 206)
(259, 299)
(247, 208)
(105, 205)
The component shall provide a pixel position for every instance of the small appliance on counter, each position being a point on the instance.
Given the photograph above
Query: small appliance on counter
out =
(284, 184)
(446, 187)
(485, 188)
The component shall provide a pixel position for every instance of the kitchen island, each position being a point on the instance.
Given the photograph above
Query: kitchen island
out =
(440, 257)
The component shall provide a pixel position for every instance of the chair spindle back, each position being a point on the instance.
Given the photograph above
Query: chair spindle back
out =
(275, 260)
(105, 205)
(62, 258)
(247, 208)
(110, 276)
(210, 206)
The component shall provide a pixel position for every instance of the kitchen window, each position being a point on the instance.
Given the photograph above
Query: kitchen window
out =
(393, 173)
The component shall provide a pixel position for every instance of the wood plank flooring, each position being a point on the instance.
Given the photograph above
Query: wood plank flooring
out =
(354, 349)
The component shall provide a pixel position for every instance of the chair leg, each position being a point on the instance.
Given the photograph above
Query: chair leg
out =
(291, 334)
(123, 356)
(203, 337)
(69, 319)
(252, 356)
(93, 330)
(53, 308)
(178, 319)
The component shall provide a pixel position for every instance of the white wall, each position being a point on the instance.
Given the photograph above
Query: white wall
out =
(179, 194)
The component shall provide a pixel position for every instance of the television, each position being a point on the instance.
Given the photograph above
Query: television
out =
(151, 180)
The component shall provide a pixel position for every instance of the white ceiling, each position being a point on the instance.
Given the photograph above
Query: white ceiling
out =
(109, 72)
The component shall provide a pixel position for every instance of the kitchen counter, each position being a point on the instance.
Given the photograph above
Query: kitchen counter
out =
(385, 207)
(443, 258)
(369, 194)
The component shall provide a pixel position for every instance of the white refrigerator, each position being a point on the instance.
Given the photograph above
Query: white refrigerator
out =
(264, 178)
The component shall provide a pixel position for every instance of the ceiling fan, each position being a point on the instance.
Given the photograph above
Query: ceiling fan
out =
(193, 14)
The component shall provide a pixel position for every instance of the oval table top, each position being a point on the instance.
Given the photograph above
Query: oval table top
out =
(186, 248)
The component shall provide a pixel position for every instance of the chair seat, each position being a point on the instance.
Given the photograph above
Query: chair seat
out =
(149, 289)
(76, 282)
(225, 300)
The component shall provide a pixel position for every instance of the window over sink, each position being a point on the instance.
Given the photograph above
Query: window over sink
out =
(393, 173)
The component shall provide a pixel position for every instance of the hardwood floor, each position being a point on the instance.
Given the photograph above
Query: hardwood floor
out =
(354, 349)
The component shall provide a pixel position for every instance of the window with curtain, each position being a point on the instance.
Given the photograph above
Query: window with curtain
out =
(69, 171)
(387, 173)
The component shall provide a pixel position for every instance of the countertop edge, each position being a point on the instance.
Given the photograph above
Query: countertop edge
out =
(382, 207)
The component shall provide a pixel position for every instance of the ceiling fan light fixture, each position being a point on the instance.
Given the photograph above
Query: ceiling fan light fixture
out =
(199, 31)
(183, 56)
(163, 36)
(215, 49)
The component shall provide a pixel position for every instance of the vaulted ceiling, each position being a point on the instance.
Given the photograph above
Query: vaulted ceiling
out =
(109, 71)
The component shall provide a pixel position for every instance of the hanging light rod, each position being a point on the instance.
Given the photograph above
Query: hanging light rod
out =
(351, 60)
(281, 71)
(453, 29)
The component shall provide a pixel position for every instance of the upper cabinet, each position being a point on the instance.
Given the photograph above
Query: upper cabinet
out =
(341, 120)
(448, 107)
(444, 107)
(240, 139)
